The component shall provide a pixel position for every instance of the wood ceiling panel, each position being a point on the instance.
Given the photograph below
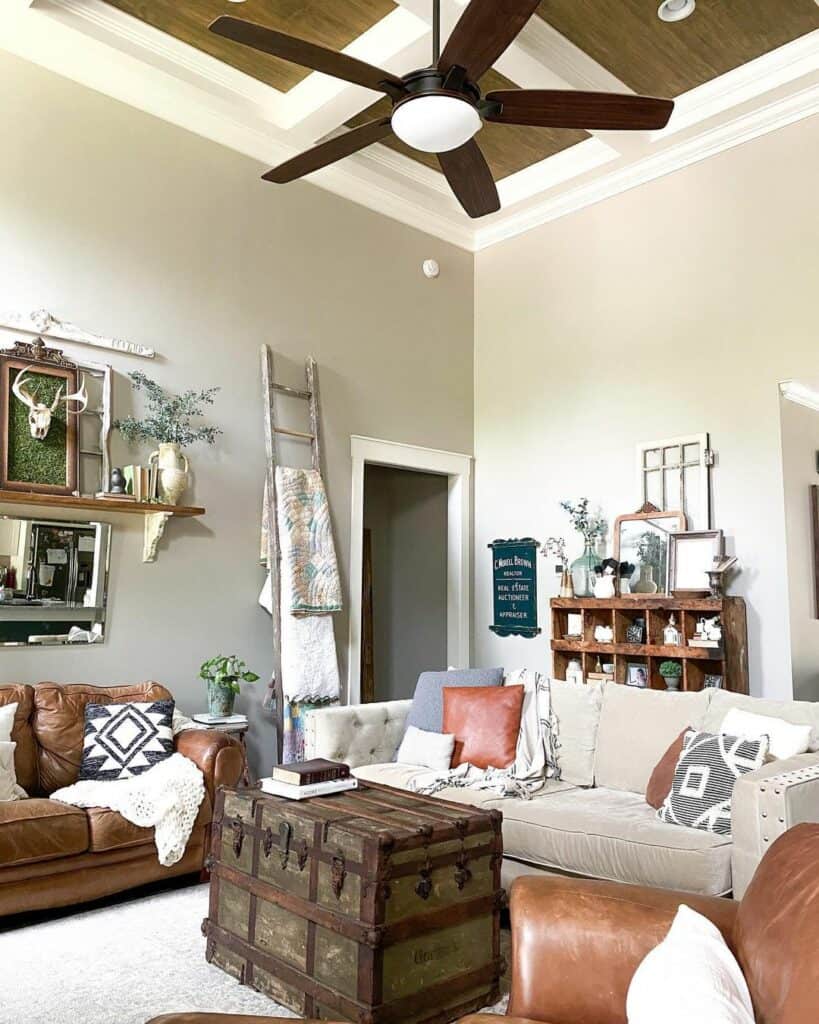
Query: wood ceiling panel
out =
(666, 59)
(327, 22)
(507, 148)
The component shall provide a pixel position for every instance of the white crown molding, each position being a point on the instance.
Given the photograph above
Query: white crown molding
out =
(793, 391)
(114, 53)
(779, 67)
(742, 129)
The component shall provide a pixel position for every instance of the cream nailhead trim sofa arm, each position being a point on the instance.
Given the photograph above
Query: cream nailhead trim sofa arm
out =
(767, 803)
(358, 734)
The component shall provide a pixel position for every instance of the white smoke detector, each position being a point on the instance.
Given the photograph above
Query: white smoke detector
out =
(430, 268)
(676, 10)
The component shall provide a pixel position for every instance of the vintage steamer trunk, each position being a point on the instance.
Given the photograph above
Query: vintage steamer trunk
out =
(375, 905)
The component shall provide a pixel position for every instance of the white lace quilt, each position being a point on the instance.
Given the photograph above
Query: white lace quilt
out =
(165, 798)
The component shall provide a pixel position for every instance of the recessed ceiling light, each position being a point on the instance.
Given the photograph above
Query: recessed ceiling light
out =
(675, 10)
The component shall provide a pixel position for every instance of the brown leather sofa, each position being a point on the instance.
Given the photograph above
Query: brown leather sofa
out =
(54, 855)
(576, 943)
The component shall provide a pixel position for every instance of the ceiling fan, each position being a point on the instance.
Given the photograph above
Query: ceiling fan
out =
(439, 109)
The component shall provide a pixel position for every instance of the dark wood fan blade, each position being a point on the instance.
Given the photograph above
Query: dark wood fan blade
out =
(470, 179)
(307, 55)
(561, 108)
(484, 31)
(328, 152)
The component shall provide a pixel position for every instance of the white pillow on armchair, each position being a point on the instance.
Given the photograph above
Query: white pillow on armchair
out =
(690, 978)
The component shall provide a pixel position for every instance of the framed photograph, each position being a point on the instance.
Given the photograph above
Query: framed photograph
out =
(712, 682)
(637, 674)
(641, 539)
(39, 402)
(691, 555)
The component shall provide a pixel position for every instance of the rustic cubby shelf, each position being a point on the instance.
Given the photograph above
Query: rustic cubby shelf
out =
(730, 660)
(155, 514)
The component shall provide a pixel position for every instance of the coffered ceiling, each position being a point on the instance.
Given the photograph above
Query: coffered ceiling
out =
(737, 68)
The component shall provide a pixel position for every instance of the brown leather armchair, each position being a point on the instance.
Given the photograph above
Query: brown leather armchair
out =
(54, 855)
(577, 943)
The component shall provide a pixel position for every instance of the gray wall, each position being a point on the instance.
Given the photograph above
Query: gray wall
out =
(800, 443)
(128, 225)
(406, 513)
(670, 309)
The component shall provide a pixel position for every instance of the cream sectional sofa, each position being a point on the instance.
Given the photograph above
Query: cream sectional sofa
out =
(611, 736)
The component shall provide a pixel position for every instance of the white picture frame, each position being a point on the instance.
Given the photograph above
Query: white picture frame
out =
(691, 555)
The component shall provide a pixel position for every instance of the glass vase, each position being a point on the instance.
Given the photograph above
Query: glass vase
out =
(583, 571)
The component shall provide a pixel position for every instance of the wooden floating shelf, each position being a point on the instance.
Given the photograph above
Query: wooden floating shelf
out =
(154, 514)
(139, 508)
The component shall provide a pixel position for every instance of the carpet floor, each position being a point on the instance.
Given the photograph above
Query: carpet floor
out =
(121, 964)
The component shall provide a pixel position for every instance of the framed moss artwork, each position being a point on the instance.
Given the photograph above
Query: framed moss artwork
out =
(38, 425)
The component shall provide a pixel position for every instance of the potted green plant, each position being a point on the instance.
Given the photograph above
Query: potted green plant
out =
(671, 671)
(223, 674)
(169, 423)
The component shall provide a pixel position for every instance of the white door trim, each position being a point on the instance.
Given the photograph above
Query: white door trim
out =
(458, 469)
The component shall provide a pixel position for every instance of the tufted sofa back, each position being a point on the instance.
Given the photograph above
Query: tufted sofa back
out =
(365, 734)
(50, 723)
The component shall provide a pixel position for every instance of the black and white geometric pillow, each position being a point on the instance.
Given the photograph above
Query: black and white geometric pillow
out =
(122, 740)
(704, 779)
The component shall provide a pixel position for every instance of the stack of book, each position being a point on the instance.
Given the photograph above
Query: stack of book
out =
(222, 721)
(142, 482)
(306, 779)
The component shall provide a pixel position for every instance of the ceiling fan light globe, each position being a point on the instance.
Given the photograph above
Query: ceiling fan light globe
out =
(435, 123)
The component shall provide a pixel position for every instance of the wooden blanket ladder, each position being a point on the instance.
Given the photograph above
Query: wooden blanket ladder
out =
(310, 394)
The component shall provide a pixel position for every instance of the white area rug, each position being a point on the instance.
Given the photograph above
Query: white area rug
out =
(122, 964)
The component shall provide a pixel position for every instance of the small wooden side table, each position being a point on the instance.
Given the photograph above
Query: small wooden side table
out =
(236, 731)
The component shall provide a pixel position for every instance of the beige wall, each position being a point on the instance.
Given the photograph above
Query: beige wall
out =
(671, 309)
(800, 444)
(128, 225)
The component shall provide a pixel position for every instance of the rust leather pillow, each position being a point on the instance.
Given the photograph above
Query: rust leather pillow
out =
(659, 785)
(485, 721)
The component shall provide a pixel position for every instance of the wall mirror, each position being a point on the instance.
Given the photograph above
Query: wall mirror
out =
(53, 582)
(642, 540)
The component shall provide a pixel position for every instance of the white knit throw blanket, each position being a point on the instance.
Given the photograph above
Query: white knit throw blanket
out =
(165, 798)
(535, 755)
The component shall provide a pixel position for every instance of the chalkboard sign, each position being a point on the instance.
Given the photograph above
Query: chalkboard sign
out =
(514, 587)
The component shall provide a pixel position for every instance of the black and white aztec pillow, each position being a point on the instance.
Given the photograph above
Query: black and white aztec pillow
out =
(704, 778)
(122, 740)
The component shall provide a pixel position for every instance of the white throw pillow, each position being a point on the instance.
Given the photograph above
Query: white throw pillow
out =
(692, 976)
(7, 712)
(427, 749)
(9, 790)
(786, 740)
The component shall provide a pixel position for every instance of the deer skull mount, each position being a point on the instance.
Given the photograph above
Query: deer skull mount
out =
(39, 416)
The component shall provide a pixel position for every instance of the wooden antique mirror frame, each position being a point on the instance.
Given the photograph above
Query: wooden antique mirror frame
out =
(648, 511)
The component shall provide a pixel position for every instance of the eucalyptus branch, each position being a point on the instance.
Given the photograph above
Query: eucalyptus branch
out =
(169, 416)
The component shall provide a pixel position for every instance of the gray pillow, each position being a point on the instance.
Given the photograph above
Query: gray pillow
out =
(427, 711)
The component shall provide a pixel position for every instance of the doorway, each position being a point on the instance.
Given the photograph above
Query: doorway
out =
(410, 505)
(404, 597)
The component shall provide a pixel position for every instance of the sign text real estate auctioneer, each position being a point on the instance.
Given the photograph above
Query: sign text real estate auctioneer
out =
(514, 587)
